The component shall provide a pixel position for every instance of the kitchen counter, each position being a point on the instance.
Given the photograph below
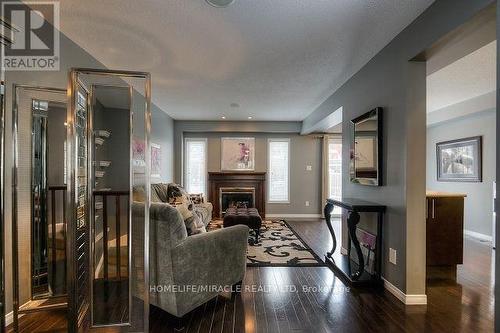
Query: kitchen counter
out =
(445, 225)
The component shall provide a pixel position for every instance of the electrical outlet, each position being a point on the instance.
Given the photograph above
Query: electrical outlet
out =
(309, 167)
(307, 203)
(393, 256)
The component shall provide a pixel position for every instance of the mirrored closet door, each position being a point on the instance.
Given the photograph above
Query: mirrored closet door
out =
(39, 200)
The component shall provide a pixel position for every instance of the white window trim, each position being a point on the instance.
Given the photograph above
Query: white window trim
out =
(269, 140)
(184, 162)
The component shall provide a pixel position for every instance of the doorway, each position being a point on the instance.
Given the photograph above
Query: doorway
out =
(461, 145)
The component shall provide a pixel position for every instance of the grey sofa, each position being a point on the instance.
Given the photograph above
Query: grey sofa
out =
(159, 193)
(208, 260)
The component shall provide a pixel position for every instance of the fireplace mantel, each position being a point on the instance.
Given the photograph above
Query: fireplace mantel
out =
(218, 180)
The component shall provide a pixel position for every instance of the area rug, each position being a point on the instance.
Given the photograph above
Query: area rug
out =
(278, 246)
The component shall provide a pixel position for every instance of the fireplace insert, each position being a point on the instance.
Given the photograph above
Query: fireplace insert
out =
(236, 198)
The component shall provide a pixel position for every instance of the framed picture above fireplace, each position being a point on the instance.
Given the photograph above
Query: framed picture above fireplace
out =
(237, 154)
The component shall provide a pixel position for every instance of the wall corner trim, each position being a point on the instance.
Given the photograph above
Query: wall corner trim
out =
(404, 298)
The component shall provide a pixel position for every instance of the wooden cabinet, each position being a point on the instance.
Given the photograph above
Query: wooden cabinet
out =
(445, 228)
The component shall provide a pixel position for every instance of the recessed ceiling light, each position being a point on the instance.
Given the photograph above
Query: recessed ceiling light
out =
(223, 117)
(219, 3)
(249, 117)
(234, 105)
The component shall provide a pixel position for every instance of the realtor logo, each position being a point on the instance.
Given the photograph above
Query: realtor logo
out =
(34, 26)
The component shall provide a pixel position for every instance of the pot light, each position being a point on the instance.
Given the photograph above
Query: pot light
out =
(223, 117)
(220, 3)
(249, 117)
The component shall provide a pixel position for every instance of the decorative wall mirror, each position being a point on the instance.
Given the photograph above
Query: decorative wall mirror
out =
(366, 149)
(39, 199)
(109, 125)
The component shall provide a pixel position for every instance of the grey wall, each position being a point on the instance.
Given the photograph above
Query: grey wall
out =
(162, 133)
(388, 80)
(478, 204)
(56, 138)
(181, 127)
(116, 148)
(71, 56)
(304, 150)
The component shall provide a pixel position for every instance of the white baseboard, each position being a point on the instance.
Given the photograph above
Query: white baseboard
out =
(9, 318)
(293, 216)
(478, 235)
(406, 299)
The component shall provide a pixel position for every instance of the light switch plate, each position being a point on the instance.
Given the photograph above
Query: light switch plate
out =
(307, 203)
(309, 167)
(392, 256)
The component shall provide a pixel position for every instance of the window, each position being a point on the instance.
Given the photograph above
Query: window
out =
(335, 171)
(279, 170)
(195, 165)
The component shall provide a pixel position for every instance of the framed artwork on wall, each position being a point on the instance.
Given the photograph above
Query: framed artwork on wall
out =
(237, 154)
(460, 160)
(139, 156)
(155, 160)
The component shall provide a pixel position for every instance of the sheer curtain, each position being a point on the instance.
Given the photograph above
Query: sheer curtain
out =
(332, 169)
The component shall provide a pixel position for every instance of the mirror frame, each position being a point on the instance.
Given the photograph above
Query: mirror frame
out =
(16, 88)
(80, 317)
(378, 111)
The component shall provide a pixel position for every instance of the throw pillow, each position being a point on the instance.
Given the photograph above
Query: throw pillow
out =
(173, 192)
(197, 198)
(194, 225)
(184, 210)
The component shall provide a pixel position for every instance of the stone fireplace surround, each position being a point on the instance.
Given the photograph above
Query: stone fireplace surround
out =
(254, 182)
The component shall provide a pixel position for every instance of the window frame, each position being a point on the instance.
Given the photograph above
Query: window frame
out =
(269, 141)
(185, 163)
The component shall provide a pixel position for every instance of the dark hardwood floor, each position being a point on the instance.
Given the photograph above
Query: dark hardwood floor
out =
(311, 299)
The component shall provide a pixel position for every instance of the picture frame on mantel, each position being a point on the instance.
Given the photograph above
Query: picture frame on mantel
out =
(460, 160)
(237, 154)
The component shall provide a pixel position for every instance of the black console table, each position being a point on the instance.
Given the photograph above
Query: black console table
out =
(351, 272)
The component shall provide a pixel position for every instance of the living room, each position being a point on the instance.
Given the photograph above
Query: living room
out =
(235, 166)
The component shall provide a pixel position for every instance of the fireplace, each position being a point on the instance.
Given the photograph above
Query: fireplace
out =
(237, 189)
(236, 197)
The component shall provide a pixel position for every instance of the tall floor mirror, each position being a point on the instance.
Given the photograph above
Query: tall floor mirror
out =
(6, 39)
(39, 200)
(2, 223)
(109, 124)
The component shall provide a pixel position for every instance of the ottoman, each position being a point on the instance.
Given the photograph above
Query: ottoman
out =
(247, 216)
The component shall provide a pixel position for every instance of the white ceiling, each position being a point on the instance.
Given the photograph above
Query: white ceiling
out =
(278, 59)
(469, 77)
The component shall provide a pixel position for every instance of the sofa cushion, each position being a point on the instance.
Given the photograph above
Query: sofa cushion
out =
(159, 192)
(194, 225)
(204, 210)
